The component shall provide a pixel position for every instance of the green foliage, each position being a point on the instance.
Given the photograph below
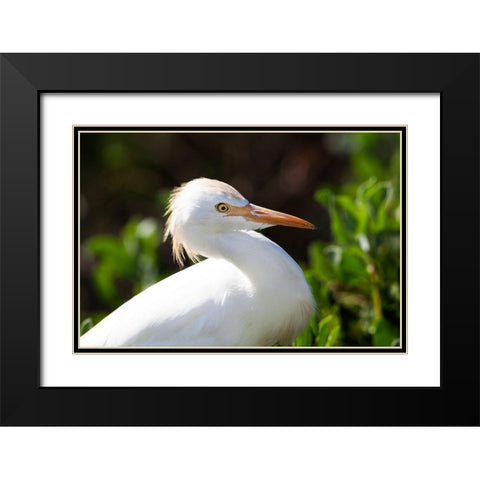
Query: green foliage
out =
(355, 278)
(125, 265)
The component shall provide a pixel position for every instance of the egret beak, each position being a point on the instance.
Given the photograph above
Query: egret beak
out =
(257, 214)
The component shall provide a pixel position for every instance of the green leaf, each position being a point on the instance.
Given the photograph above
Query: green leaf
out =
(347, 204)
(385, 334)
(104, 280)
(85, 325)
(332, 336)
(334, 254)
(320, 264)
(343, 223)
(89, 322)
(380, 197)
(353, 266)
(328, 330)
(361, 197)
(109, 249)
(129, 237)
(305, 339)
(379, 194)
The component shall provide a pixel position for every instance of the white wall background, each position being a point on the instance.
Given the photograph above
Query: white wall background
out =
(308, 26)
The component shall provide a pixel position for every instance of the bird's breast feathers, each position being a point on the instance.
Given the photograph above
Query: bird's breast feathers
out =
(216, 307)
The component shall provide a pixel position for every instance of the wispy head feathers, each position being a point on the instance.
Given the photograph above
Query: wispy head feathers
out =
(180, 251)
(184, 197)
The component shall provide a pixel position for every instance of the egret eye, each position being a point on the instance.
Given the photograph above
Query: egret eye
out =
(222, 207)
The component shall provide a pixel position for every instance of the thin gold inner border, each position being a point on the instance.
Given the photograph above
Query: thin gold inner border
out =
(221, 350)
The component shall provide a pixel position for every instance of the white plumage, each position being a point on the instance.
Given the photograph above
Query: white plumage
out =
(248, 292)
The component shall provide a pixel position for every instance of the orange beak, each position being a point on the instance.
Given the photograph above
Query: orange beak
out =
(257, 214)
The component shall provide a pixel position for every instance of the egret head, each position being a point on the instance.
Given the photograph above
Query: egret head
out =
(204, 208)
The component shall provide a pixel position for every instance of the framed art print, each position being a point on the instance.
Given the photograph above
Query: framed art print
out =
(371, 318)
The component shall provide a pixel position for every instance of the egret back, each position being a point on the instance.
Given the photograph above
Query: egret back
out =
(215, 303)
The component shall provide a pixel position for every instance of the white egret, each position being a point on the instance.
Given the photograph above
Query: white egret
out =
(248, 291)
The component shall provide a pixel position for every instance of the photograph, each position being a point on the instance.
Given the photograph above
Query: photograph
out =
(239, 238)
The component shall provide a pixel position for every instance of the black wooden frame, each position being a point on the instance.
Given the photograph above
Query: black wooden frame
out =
(23, 77)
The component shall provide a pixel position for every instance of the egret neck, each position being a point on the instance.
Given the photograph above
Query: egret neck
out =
(256, 256)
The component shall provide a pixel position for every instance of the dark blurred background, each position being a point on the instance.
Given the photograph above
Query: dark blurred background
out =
(126, 179)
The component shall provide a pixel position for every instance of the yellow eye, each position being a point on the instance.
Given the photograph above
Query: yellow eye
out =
(222, 207)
